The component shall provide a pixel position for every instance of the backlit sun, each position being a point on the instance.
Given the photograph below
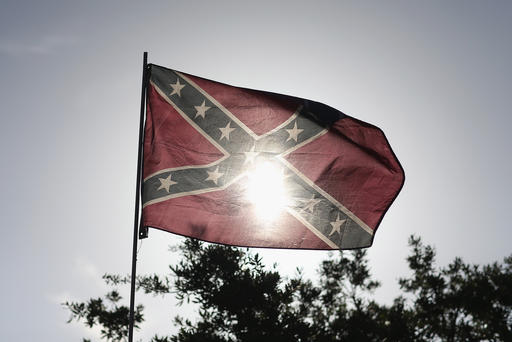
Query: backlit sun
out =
(266, 190)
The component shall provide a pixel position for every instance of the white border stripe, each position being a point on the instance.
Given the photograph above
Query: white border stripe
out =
(312, 228)
(305, 142)
(284, 124)
(218, 105)
(205, 166)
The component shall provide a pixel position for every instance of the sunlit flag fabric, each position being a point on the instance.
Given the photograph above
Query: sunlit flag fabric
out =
(251, 168)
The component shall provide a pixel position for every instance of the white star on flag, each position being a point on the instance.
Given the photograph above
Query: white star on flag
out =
(176, 88)
(165, 183)
(201, 110)
(250, 155)
(336, 225)
(311, 203)
(214, 175)
(226, 131)
(294, 132)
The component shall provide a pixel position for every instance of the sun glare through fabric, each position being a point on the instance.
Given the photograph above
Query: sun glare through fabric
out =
(266, 191)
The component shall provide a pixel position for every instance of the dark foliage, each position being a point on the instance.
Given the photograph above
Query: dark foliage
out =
(106, 313)
(241, 299)
(459, 302)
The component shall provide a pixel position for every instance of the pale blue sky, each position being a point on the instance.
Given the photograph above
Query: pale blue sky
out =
(435, 76)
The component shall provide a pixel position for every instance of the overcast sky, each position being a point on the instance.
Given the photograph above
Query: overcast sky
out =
(434, 76)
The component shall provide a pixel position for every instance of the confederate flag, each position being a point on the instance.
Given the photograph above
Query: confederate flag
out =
(251, 168)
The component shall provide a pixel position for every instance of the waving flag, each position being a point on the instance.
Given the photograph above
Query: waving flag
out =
(251, 168)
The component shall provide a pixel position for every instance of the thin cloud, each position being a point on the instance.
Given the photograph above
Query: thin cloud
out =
(45, 46)
(86, 269)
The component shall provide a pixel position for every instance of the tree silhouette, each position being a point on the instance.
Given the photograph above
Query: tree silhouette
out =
(241, 299)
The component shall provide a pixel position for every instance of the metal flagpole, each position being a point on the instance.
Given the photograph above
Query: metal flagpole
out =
(137, 198)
